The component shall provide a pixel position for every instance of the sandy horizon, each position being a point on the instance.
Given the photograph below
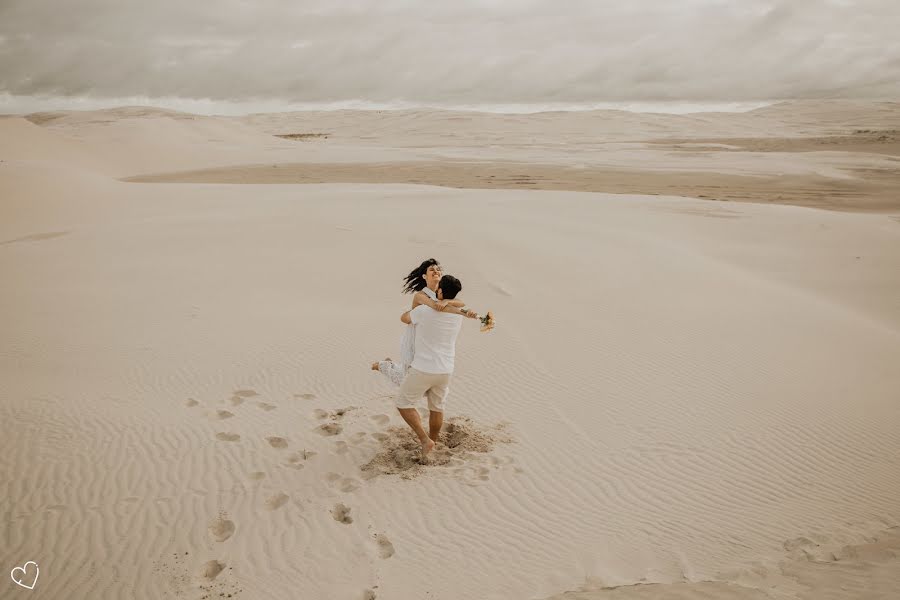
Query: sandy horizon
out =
(691, 393)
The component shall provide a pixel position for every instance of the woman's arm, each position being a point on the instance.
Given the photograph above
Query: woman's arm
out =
(423, 298)
(455, 307)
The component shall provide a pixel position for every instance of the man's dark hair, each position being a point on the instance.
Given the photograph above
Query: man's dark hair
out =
(450, 286)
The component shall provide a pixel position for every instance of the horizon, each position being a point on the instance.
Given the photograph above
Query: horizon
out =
(24, 105)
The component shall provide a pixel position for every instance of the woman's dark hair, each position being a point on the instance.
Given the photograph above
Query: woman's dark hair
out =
(414, 281)
(450, 286)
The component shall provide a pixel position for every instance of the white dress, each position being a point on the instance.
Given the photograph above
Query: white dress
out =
(396, 371)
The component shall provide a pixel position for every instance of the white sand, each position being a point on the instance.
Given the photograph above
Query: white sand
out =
(699, 394)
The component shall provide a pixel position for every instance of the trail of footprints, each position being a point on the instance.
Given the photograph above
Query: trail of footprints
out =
(331, 424)
(223, 528)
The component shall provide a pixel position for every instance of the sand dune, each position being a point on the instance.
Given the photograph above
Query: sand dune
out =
(833, 155)
(26, 142)
(683, 399)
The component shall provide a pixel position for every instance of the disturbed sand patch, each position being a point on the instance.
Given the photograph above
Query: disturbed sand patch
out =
(461, 440)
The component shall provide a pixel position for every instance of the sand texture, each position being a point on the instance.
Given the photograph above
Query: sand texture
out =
(684, 397)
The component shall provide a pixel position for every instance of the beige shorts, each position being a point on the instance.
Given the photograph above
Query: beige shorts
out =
(417, 384)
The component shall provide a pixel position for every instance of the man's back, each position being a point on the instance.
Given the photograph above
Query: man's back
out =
(436, 334)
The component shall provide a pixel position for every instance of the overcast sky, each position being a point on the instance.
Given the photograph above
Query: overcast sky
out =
(453, 52)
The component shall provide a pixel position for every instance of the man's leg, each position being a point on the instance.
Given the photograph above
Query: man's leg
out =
(414, 386)
(435, 422)
(411, 416)
(437, 397)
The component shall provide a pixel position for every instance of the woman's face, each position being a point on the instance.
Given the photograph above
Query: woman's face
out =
(433, 276)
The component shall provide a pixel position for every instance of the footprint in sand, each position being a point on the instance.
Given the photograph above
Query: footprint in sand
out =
(228, 437)
(335, 415)
(221, 529)
(266, 406)
(191, 402)
(296, 460)
(212, 569)
(383, 545)
(341, 447)
(380, 436)
(348, 484)
(237, 400)
(381, 419)
(305, 396)
(499, 461)
(224, 414)
(245, 393)
(277, 442)
(257, 475)
(329, 429)
(472, 474)
(276, 501)
(332, 477)
(369, 594)
(341, 514)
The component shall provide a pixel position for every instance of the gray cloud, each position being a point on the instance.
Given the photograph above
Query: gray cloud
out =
(454, 52)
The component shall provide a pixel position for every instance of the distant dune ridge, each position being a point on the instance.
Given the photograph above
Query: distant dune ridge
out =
(826, 154)
(685, 396)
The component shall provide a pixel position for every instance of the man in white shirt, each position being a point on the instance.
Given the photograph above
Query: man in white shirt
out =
(431, 368)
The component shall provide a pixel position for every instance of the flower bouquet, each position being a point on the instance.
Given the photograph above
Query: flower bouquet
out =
(487, 321)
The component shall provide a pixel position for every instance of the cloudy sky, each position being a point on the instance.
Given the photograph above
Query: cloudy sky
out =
(451, 52)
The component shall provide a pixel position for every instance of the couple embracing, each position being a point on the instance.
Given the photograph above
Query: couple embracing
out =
(428, 347)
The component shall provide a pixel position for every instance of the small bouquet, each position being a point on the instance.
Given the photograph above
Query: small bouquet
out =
(487, 321)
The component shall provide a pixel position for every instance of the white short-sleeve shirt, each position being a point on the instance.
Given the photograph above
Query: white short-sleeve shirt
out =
(436, 334)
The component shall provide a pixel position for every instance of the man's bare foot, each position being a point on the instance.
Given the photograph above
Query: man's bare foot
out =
(427, 446)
